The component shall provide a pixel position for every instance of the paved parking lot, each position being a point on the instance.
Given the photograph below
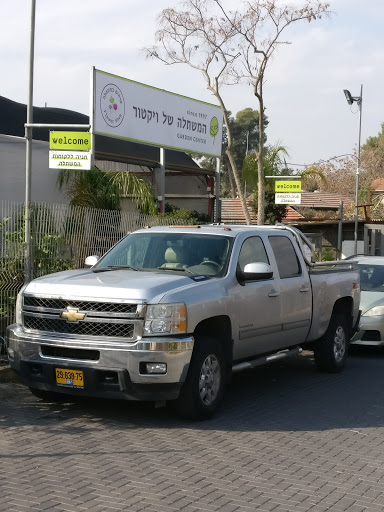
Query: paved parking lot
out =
(288, 439)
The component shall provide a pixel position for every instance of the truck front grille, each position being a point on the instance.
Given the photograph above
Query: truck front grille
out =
(107, 307)
(84, 318)
(80, 328)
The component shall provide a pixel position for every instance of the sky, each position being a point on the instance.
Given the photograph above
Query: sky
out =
(303, 92)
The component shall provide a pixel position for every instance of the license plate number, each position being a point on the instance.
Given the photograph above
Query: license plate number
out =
(69, 378)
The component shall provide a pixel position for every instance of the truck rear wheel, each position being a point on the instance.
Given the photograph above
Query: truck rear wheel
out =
(331, 350)
(203, 390)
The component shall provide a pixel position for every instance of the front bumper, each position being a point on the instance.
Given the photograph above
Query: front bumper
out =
(111, 369)
(371, 331)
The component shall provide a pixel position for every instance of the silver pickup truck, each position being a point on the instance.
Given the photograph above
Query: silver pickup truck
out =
(170, 312)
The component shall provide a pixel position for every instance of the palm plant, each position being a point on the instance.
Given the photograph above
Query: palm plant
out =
(274, 164)
(311, 177)
(104, 190)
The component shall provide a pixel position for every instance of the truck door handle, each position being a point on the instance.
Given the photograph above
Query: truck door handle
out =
(273, 293)
(304, 289)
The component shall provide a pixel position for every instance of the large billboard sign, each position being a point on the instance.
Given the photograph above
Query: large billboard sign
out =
(129, 110)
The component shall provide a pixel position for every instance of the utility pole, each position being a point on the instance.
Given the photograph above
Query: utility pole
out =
(28, 157)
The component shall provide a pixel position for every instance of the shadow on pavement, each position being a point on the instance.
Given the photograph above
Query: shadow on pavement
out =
(289, 396)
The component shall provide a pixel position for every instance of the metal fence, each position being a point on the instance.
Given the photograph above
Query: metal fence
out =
(62, 237)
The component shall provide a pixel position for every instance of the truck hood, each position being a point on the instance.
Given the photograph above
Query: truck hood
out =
(113, 284)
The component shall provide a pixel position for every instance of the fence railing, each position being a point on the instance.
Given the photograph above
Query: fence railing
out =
(62, 237)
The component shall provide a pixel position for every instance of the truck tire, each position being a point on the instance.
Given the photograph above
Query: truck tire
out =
(204, 388)
(48, 396)
(331, 350)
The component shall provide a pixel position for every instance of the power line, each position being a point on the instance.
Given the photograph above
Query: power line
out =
(320, 161)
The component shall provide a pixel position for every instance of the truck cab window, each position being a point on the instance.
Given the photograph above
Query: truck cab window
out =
(252, 251)
(286, 257)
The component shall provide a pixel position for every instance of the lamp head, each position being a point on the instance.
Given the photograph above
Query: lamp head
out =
(348, 97)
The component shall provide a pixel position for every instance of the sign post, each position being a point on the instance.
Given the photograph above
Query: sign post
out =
(77, 141)
(28, 271)
(288, 192)
(70, 160)
(28, 154)
(61, 152)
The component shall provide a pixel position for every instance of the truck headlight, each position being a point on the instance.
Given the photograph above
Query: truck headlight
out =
(165, 319)
(19, 305)
(376, 311)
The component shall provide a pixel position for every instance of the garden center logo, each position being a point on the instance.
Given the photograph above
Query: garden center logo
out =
(112, 105)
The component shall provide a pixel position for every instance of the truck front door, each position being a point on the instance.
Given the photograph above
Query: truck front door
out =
(256, 306)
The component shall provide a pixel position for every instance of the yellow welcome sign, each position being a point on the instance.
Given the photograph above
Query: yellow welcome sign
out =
(80, 141)
(288, 186)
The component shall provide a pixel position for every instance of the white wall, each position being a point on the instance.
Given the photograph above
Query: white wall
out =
(12, 172)
(348, 248)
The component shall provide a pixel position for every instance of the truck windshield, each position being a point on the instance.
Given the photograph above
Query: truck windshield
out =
(194, 254)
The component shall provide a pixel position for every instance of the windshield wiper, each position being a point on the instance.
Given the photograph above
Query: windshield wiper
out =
(178, 269)
(114, 267)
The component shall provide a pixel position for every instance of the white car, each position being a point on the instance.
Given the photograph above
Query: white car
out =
(371, 327)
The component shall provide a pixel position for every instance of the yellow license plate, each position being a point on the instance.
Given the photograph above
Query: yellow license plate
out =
(69, 378)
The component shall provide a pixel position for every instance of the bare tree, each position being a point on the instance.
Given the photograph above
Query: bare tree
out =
(230, 47)
(258, 33)
(202, 39)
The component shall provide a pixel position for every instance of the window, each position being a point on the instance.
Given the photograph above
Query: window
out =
(286, 257)
(252, 251)
(156, 250)
(371, 277)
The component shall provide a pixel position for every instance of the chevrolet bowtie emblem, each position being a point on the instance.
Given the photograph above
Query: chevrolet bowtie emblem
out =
(72, 315)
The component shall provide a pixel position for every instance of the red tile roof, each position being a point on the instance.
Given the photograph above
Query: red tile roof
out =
(232, 212)
(325, 201)
(378, 184)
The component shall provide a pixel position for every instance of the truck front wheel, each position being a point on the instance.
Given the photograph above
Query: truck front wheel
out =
(331, 350)
(203, 390)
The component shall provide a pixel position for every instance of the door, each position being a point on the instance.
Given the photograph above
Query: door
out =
(256, 306)
(374, 239)
(296, 291)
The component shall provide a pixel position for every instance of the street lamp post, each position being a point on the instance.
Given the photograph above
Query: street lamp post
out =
(359, 100)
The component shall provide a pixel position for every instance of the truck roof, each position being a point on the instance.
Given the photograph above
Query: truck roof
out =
(212, 229)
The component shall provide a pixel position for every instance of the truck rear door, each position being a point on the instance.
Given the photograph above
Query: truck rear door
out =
(296, 292)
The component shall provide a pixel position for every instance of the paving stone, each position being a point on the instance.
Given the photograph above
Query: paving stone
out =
(288, 439)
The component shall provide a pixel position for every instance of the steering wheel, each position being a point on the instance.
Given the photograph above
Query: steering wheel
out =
(210, 262)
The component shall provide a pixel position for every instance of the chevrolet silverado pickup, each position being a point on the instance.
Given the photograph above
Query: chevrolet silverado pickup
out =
(169, 313)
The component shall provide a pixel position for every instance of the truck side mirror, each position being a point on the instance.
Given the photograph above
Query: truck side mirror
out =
(90, 261)
(256, 272)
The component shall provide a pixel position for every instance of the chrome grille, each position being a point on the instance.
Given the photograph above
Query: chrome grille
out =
(80, 328)
(96, 319)
(107, 307)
